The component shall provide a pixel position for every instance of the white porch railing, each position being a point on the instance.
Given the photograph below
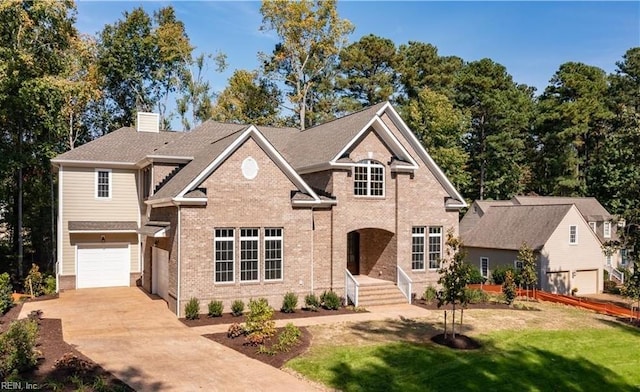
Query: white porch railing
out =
(615, 273)
(404, 283)
(351, 287)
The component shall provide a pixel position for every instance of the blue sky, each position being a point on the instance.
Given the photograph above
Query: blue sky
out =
(531, 39)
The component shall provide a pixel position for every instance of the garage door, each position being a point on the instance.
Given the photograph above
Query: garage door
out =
(103, 265)
(586, 282)
(160, 268)
(558, 282)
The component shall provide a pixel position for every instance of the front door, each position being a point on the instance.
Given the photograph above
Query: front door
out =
(353, 252)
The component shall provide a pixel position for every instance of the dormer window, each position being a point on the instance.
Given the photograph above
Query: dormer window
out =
(368, 178)
(607, 229)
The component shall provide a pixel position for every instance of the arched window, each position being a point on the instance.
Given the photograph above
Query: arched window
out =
(368, 178)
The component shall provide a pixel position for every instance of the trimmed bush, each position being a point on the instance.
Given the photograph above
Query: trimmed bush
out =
(330, 300)
(192, 309)
(430, 294)
(509, 288)
(311, 302)
(6, 302)
(237, 308)
(610, 287)
(289, 303)
(289, 337)
(498, 275)
(18, 347)
(215, 308)
(476, 277)
(50, 285)
(260, 319)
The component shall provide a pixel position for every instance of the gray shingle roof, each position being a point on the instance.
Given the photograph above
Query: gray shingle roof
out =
(125, 145)
(589, 207)
(507, 227)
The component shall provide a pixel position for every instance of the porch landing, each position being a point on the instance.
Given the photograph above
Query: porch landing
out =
(374, 292)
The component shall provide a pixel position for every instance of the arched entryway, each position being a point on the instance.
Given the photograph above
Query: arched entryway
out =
(372, 252)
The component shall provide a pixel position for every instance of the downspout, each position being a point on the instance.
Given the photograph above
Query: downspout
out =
(59, 255)
(313, 228)
(331, 251)
(178, 260)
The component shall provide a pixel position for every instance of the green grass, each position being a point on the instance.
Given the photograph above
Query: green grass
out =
(604, 359)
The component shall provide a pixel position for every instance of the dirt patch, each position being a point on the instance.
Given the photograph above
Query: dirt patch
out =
(277, 360)
(60, 366)
(228, 318)
(459, 342)
(434, 305)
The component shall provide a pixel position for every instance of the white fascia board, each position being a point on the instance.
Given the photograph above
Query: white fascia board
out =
(352, 141)
(267, 147)
(105, 164)
(395, 117)
(164, 202)
(190, 201)
(392, 139)
(313, 202)
(314, 168)
(102, 231)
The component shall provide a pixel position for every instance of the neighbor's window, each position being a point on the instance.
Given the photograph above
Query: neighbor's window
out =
(249, 239)
(368, 178)
(517, 264)
(272, 254)
(103, 184)
(224, 242)
(624, 256)
(146, 182)
(573, 234)
(435, 247)
(417, 248)
(593, 226)
(484, 267)
(607, 229)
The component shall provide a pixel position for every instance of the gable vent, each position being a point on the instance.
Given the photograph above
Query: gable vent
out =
(148, 122)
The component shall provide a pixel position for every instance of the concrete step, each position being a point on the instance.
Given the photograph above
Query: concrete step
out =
(384, 293)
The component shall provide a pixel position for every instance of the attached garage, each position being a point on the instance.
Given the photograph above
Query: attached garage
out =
(558, 282)
(103, 265)
(586, 281)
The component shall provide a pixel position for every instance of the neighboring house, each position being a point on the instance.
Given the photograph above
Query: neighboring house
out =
(568, 252)
(230, 211)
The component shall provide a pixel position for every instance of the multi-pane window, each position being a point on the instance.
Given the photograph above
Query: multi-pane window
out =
(249, 239)
(224, 259)
(272, 254)
(594, 226)
(573, 234)
(517, 264)
(417, 248)
(368, 178)
(607, 229)
(103, 184)
(624, 256)
(484, 267)
(435, 247)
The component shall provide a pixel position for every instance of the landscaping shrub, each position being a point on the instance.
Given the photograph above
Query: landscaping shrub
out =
(430, 294)
(509, 288)
(215, 308)
(18, 347)
(476, 277)
(33, 283)
(192, 309)
(289, 303)
(499, 274)
(611, 287)
(330, 300)
(311, 302)
(235, 330)
(289, 337)
(476, 296)
(5, 293)
(237, 308)
(259, 323)
(49, 285)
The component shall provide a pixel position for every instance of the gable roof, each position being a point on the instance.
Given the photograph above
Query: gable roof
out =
(589, 207)
(507, 227)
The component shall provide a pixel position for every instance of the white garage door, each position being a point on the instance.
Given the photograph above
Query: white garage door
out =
(160, 268)
(103, 265)
(586, 282)
(558, 282)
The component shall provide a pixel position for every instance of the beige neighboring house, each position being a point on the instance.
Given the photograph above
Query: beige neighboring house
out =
(230, 211)
(568, 250)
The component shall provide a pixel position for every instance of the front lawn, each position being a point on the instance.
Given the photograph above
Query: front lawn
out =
(599, 358)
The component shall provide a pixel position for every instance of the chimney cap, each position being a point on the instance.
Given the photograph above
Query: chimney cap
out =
(148, 122)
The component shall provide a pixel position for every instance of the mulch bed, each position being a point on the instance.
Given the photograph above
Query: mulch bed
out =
(228, 318)
(460, 342)
(277, 360)
(52, 349)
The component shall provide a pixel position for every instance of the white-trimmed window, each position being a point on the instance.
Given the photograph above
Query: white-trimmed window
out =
(417, 248)
(435, 247)
(607, 230)
(594, 226)
(573, 234)
(249, 255)
(517, 265)
(484, 267)
(272, 254)
(103, 183)
(624, 256)
(224, 255)
(368, 178)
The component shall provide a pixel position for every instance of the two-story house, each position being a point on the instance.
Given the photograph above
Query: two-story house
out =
(230, 211)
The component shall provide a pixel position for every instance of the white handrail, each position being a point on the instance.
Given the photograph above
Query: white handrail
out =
(404, 283)
(616, 274)
(351, 287)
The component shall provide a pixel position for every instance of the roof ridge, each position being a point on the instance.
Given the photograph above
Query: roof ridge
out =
(345, 116)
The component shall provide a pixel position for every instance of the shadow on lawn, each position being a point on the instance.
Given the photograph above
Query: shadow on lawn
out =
(415, 367)
(404, 329)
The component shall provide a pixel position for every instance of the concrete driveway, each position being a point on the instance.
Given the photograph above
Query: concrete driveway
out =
(135, 337)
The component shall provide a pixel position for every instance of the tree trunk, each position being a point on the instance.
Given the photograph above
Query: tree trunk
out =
(453, 321)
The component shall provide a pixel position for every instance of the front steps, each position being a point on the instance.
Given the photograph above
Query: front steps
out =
(375, 292)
